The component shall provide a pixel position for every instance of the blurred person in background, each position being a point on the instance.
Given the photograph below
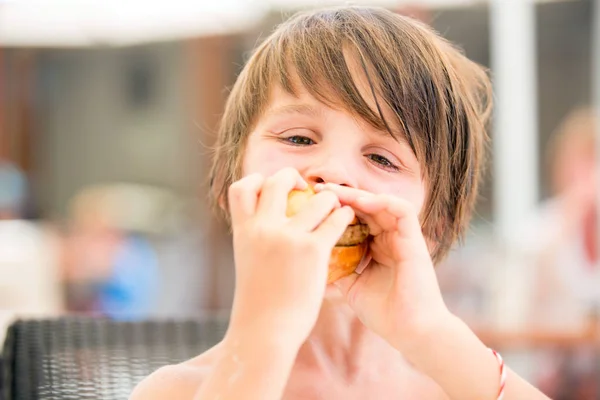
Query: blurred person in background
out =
(13, 191)
(29, 272)
(562, 238)
(561, 243)
(108, 270)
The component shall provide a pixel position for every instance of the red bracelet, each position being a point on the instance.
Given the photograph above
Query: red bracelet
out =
(502, 374)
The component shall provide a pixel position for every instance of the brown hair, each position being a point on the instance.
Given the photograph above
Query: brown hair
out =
(439, 99)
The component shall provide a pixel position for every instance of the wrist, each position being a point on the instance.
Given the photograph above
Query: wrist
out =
(424, 340)
(453, 356)
(277, 326)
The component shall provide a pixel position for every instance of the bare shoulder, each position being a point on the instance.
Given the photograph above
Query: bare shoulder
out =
(178, 381)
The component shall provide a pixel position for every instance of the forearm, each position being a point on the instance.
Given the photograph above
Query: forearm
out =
(249, 368)
(464, 367)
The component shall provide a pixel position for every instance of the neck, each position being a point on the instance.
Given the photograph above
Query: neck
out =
(337, 325)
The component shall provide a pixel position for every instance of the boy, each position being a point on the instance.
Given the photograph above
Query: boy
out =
(386, 120)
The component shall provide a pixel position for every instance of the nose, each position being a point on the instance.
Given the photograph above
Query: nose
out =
(330, 169)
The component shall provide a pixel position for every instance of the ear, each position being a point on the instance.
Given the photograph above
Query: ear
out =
(222, 202)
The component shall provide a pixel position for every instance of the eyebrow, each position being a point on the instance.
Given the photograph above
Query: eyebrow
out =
(303, 109)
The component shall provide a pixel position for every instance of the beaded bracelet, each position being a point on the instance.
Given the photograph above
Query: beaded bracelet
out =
(502, 374)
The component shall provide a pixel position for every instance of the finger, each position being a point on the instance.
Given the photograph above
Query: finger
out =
(380, 251)
(243, 197)
(275, 191)
(346, 194)
(389, 212)
(376, 209)
(334, 225)
(315, 211)
(408, 219)
(366, 205)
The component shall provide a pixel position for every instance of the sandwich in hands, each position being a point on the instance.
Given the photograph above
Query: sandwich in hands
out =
(350, 248)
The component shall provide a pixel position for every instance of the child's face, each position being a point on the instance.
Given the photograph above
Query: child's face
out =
(330, 145)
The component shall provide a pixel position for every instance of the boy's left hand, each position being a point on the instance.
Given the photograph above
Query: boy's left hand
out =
(397, 294)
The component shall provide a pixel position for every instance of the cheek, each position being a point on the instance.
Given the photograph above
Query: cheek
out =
(266, 159)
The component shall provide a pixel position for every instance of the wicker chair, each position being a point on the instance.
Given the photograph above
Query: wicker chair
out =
(100, 359)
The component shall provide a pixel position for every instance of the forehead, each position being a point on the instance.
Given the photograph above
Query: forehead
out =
(281, 102)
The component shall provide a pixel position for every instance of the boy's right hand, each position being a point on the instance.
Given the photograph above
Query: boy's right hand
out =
(281, 263)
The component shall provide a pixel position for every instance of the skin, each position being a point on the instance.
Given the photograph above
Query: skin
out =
(575, 185)
(385, 333)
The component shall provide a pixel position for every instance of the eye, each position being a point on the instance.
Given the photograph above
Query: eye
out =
(298, 140)
(383, 162)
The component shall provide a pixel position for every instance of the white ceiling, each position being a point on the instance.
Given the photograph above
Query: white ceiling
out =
(67, 23)
(76, 23)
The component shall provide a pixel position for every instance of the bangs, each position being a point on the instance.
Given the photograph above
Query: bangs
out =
(320, 64)
(405, 86)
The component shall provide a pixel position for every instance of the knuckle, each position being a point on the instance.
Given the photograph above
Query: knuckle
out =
(386, 198)
(278, 237)
(400, 204)
(272, 182)
(340, 216)
(329, 197)
(234, 197)
(297, 246)
(261, 236)
(307, 246)
(284, 174)
(240, 186)
(262, 231)
(406, 206)
(326, 200)
(290, 172)
(235, 189)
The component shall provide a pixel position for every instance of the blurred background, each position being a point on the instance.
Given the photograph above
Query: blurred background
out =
(107, 116)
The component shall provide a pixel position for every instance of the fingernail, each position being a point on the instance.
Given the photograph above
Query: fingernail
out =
(319, 187)
(301, 184)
